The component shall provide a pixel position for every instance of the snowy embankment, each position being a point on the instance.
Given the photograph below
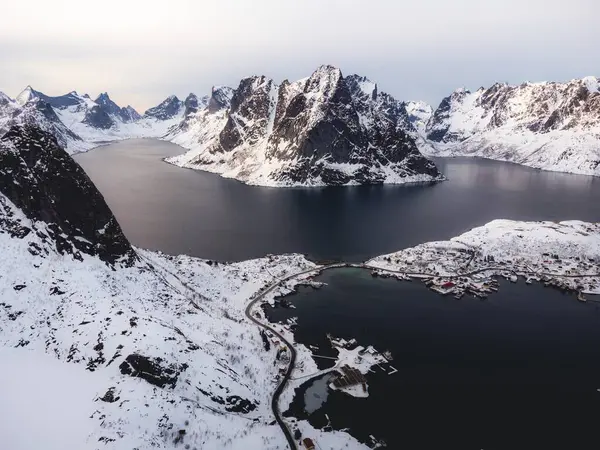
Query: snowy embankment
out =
(556, 151)
(564, 254)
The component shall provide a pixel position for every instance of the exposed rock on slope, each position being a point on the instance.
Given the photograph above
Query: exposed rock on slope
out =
(155, 353)
(167, 109)
(80, 123)
(551, 126)
(44, 182)
(323, 130)
(31, 108)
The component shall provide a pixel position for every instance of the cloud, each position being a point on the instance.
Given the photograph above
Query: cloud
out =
(142, 51)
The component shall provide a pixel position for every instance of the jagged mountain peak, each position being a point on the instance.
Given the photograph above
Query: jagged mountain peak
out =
(591, 83)
(289, 134)
(4, 99)
(103, 98)
(325, 80)
(167, 109)
(361, 85)
(220, 98)
(27, 95)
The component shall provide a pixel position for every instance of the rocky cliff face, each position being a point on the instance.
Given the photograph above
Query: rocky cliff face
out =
(44, 182)
(554, 126)
(127, 114)
(325, 129)
(167, 109)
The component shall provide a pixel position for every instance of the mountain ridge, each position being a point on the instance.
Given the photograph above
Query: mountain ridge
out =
(288, 134)
(546, 125)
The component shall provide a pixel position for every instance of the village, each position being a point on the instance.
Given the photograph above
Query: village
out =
(457, 268)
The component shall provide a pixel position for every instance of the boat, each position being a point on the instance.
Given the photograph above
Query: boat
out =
(388, 355)
(580, 297)
(459, 295)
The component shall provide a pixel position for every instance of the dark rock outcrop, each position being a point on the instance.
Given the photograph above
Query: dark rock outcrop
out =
(97, 117)
(167, 109)
(127, 114)
(220, 98)
(43, 181)
(155, 371)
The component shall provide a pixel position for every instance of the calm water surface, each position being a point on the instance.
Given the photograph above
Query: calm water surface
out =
(176, 210)
(518, 370)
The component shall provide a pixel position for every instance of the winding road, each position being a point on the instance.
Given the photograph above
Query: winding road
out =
(261, 294)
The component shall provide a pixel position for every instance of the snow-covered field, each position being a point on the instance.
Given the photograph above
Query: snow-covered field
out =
(546, 251)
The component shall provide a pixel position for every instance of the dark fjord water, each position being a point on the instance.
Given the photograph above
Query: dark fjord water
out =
(176, 210)
(519, 370)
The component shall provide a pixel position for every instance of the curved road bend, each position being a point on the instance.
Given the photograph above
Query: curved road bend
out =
(288, 373)
(287, 376)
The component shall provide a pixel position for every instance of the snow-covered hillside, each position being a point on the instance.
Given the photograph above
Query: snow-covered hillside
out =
(550, 126)
(321, 130)
(136, 349)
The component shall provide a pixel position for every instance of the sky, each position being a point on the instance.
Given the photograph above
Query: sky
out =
(142, 51)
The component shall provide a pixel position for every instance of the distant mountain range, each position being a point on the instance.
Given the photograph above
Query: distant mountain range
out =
(330, 129)
(80, 123)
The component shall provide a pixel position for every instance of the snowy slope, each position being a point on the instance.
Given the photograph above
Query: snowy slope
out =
(326, 129)
(136, 349)
(550, 126)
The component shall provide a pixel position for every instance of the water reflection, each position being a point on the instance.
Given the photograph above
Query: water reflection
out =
(184, 211)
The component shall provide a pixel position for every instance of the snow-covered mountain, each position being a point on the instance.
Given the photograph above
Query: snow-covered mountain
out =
(32, 108)
(80, 123)
(139, 349)
(324, 129)
(127, 114)
(551, 126)
(167, 109)
(419, 114)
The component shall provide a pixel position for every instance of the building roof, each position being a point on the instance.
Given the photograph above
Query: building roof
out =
(308, 443)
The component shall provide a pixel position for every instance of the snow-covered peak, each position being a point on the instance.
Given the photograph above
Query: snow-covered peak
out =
(167, 109)
(419, 113)
(324, 82)
(592, 84)
(365, 85)
(103, 98)
(129, 114)
(27, 95)
(220, 98)
(4, 99)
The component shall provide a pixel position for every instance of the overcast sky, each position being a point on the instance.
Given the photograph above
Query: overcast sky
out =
(140, 51)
